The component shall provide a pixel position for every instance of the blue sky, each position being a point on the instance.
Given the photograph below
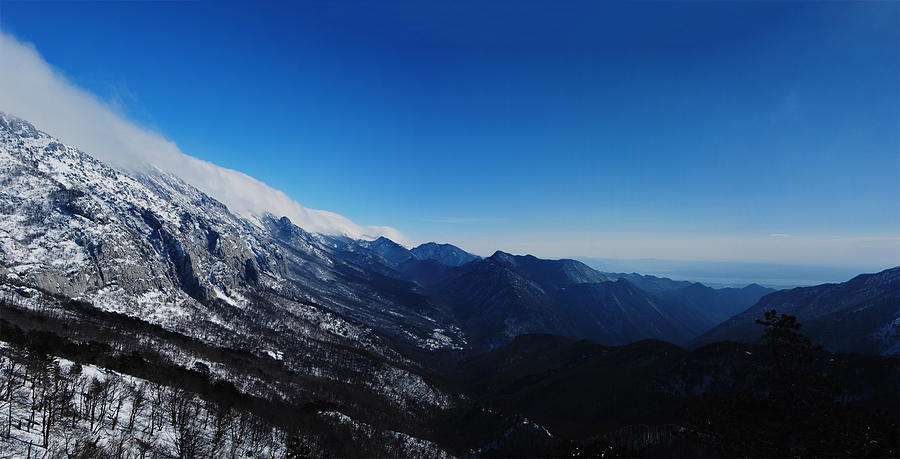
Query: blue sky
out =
(756, 131)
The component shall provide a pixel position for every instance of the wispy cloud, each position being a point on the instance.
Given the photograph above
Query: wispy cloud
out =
(32, 89)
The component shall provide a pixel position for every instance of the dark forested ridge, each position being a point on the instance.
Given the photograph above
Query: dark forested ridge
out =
(861, 315)
(780, 399)
(141, 318)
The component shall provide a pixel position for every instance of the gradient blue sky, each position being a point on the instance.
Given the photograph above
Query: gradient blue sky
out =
(712, 130)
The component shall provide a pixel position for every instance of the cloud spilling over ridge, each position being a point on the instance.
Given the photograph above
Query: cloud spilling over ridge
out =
(31, 89)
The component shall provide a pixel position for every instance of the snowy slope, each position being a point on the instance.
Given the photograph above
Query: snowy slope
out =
(151, 246)
(62, 409)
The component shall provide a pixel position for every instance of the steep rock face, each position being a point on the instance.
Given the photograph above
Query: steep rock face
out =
(445, 254)
(77, 227)
(148, 245)
(860, 315)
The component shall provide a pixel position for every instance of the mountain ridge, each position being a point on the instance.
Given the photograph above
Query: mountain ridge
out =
(859, 315)
(446, 254)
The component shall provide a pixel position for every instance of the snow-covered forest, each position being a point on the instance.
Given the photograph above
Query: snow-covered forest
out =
(57, 408)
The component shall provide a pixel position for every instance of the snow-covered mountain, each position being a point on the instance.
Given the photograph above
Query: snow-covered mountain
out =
(149, 245)
(151, 276)
(152, 247)
(146, 244)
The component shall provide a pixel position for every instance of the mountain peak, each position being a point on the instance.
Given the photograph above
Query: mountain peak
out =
(445, 254)
(385, 242)
(391, 252)
(18, 126)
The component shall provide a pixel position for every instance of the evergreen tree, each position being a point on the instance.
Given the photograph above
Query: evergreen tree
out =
(792, 408)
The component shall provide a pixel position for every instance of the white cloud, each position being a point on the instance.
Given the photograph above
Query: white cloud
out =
(33, 90)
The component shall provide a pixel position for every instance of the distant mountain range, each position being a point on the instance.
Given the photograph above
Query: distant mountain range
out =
(152, 246)
(504, 295)
(363, 325)
(713, 305)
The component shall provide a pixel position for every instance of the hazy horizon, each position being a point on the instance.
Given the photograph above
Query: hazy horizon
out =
(719, 273)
